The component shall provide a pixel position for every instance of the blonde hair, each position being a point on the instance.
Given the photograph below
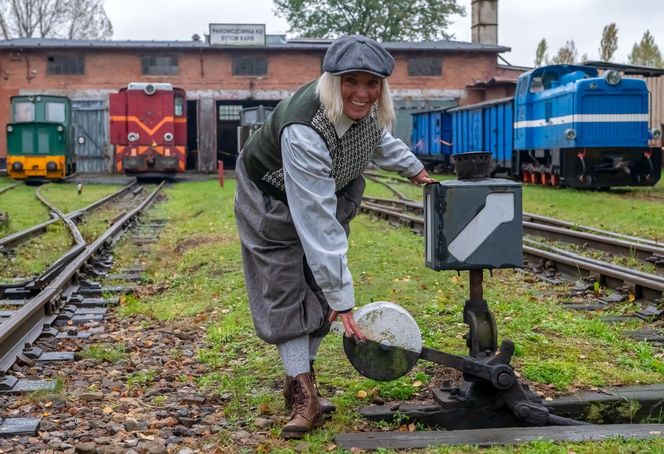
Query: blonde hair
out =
(328, 90)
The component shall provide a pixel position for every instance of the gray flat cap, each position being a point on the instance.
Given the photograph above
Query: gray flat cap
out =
(357, 53)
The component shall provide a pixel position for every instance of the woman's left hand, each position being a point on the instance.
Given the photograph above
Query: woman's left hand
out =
(422, 178)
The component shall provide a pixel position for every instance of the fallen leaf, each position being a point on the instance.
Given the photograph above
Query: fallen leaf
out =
(411, 427)
(361, 394)
(417, 384)
(107, 410)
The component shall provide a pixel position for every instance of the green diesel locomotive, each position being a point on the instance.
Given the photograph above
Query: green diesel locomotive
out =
(40, 138)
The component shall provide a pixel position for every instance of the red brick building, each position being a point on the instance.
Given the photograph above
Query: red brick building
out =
(221, 79)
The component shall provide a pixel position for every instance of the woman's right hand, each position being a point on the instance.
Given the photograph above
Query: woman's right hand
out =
(350, 327)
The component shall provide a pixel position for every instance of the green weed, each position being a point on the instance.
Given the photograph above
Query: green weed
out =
(140, 379)
(109, 353)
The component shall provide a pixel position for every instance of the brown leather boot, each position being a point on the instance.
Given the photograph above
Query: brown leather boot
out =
(325, 405)
(288, 398)
(306, 409)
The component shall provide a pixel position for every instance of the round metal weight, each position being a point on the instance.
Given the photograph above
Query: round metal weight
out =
(393, 344)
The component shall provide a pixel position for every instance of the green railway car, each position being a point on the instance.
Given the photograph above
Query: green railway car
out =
(40, 138)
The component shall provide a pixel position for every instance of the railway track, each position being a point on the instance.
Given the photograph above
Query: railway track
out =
(552, 262)
(55, 303)
(15, 239)
(574, 266)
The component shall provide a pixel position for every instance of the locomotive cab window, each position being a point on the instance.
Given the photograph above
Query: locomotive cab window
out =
(24, 111)
(178, 106)
(54, 112)
(536, 84)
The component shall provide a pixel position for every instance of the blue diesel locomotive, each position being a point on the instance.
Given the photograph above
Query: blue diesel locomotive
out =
(566, 126)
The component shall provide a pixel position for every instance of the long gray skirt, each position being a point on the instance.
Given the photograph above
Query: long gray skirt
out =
(284, 298)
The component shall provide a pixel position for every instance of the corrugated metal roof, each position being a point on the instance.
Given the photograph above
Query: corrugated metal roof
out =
(276, 44)
(627, 69)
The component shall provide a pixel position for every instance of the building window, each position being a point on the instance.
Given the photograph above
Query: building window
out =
(230, 112)
(159, 65)
(65, 64)
(250, 65)
(424, 66)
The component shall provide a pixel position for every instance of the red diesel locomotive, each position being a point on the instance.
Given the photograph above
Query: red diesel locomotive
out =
(149, 128)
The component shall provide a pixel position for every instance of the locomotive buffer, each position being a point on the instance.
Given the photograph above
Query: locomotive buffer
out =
(471, 224)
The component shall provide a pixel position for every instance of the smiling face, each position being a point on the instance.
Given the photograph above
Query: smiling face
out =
(359, 91)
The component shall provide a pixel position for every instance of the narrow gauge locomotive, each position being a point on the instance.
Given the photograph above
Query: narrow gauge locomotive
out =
(40, 138)
(566, 126)
(149, 129)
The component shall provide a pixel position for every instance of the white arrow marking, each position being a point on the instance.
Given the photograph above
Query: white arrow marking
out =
(499, 209)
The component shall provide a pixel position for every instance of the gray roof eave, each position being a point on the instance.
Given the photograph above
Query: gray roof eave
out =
(428, 46)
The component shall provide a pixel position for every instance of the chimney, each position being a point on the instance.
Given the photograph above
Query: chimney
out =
(484, 28)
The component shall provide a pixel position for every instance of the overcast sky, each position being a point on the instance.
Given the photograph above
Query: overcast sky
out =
(521, 23)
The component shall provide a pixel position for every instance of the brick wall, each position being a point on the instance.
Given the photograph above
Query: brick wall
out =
(208, 74)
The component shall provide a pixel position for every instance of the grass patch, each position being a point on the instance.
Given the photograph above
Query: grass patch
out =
(140, 379)
(48, 395)
(195, 272)
(110, 353)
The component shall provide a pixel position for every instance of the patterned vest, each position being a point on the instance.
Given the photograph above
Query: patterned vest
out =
(350, 154)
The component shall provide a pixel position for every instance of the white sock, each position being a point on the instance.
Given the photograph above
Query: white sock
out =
(295, 355)
(314, 344)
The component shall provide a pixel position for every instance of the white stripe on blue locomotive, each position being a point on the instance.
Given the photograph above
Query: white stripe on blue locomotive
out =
(583, 118)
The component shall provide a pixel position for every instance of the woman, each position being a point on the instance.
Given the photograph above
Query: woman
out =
(299, 183)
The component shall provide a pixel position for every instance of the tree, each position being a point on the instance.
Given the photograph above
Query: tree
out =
(69, 19)
(382, 20)
(646, 52)
(541, 56)
(609, 43)
(567, 55)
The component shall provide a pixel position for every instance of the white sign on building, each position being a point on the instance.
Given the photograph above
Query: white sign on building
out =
(237, 34)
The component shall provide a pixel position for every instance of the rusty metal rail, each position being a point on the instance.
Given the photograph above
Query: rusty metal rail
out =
(26, 324)
(7, 188)
(614, 243)
(642, 285)
(15, 239)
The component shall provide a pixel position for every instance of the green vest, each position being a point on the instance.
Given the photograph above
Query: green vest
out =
(350, 154)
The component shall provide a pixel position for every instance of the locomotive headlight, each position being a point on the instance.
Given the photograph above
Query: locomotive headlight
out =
(612, 77)
(168, 136)
(570, 134)
(132, 136)
(60, 128)
(150, 89)
(17, 166)
(10, 128)
(51, 166)
(656, 133)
